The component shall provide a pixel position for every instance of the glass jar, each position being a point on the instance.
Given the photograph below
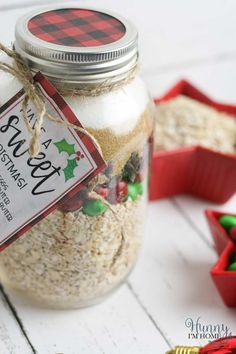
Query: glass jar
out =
(86, 248)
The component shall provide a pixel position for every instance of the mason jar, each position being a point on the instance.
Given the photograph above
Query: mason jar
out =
(85, 249)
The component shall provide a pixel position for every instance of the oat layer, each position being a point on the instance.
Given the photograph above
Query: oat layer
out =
(68, 259)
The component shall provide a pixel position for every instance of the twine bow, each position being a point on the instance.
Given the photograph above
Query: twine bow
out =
(22, 72)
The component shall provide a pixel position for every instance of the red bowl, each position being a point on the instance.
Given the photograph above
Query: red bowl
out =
(219, 234)
(225, 281)
(194, 170)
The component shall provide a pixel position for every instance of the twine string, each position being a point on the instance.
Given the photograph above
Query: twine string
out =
(95, 195)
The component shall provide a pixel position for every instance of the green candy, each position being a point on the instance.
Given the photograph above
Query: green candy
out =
(139, 188)
(227, 221)
(94, 207)
(134, 190)
(232, 266)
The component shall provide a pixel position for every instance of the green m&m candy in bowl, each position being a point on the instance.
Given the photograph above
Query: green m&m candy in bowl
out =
(227, 221)
(229, 224)
(232, 266)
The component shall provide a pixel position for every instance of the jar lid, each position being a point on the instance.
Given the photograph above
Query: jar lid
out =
(77, 44)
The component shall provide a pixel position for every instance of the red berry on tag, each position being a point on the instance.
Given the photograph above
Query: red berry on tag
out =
(102, 191)
(121, 191)
(72, 204)
(79, 155)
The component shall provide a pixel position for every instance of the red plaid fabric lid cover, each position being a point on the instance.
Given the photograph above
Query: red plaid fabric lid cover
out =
(76, 27)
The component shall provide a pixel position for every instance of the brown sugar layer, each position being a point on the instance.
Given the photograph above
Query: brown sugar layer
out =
(183, 121)
(119, 147)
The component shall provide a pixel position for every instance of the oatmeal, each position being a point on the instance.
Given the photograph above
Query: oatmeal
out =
(183, 121)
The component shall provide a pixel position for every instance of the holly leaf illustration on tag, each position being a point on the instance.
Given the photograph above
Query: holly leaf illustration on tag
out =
(69, 169)
(64, 146)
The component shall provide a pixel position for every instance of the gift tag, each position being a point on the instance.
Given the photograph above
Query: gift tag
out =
(31, 188)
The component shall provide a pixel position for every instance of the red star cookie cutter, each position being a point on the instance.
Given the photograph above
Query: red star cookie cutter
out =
(194, 170)
(225, 281)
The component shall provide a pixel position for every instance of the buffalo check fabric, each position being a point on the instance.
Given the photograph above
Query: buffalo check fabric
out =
(76, 27)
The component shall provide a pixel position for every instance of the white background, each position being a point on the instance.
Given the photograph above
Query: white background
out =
(178, 39)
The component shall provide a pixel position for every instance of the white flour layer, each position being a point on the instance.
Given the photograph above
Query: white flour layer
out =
(118, 110)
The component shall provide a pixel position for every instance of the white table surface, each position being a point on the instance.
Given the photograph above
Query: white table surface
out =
(171, 282)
